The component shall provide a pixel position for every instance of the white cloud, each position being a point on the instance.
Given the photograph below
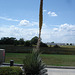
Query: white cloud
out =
(44, 10)
(28, 23)
(52, 13)
(35, 23)
(24, 23)
(18, 32)
(66, 27)
(55, 29)
(62, 33)
(49, 12)
(9, 19)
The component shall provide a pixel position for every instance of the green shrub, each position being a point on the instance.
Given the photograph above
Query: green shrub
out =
(33, 64)
(10, 71)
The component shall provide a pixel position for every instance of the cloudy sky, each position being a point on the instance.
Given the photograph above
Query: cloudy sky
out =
(20, 19)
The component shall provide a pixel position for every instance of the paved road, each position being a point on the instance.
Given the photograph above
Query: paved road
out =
(55, 71)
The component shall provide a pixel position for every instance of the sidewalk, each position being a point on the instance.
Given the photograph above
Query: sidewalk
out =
(61, 67)
(56, 71)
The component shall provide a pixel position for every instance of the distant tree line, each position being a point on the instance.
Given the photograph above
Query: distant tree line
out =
(14, 41)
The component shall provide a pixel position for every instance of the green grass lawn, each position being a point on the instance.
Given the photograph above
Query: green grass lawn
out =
(49, 59)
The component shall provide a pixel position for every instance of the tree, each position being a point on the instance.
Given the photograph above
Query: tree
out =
(12, 40)
(7, 40)
(21, 41)
(34, 40)
(27, 43)
(16, 43)
(71, 44)
(67, 43)
(52, 42)
(43, 44)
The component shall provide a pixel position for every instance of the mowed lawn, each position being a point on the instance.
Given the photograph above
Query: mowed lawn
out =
(49, 59)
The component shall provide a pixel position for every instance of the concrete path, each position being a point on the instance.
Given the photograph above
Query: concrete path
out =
(56, 71)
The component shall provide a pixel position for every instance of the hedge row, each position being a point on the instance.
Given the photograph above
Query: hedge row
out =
(45, 50)
(10, 71)
(65, 51)
(16, 49)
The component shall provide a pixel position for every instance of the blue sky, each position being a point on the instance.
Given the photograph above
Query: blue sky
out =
(20, 19)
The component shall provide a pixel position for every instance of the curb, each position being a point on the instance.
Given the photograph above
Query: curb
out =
(8, 64)
(59, 67)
